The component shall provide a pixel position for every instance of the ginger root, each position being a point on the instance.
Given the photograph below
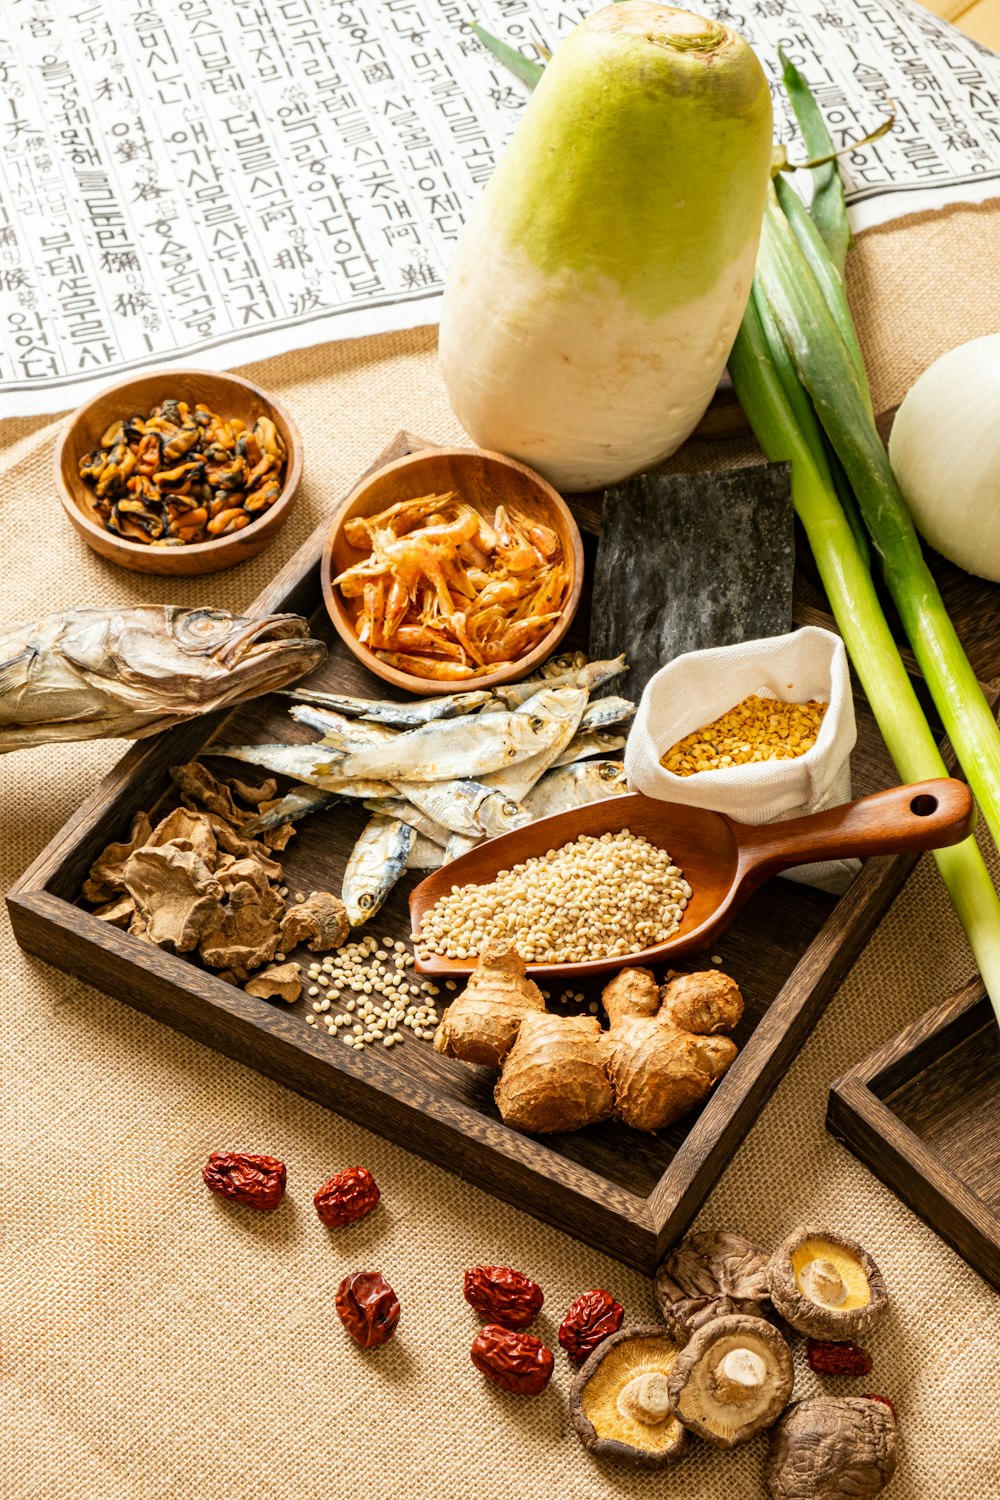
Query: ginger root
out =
(555, 1077)
(659, 1058)
(481, 1026)
(662, 1066)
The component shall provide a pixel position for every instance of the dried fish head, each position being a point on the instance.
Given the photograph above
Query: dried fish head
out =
(89, 673)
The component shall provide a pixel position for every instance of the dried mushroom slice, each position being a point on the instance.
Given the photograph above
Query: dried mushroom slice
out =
(107, 874)
(281, 982)
(619, 1401)
(833, 1448)
(118, 912)
(189, 830)
(176, 896)
(320, 922)
(243, 939)
(731, 1380)
(197, 785)
(711, 1275)
(826, 1285)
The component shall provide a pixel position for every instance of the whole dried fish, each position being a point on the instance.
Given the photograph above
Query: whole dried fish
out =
(589, 742)
(464, 806)
(425, 854)
(470, 746)
(575, 671)
(575, 786)
(561, 706)
(407, 812)
(127, 673)
(376, 863)
(338, 730)
(457, 845)
(395, 715)
(298, 803)
(308, 763)
(604, 712)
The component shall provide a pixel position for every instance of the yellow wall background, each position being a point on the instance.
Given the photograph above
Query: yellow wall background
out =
(979, 19)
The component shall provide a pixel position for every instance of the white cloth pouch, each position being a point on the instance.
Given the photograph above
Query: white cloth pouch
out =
(696, 688)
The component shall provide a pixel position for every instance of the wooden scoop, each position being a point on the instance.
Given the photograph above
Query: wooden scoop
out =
(722, 861)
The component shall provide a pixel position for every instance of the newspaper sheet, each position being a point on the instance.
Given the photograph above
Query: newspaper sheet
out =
(207, 182)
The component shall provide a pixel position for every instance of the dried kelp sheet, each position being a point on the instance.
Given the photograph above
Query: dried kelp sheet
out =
(692, 560)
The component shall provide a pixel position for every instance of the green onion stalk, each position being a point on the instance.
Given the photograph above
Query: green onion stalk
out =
(826, 369)
(781, 415)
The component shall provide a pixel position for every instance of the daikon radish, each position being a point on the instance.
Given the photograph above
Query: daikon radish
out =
(598, 284)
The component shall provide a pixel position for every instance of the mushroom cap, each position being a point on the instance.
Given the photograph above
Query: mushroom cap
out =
(636, 1362)
(732, 1379)
(831, 1448)
(826, 1285)
(711, 1275)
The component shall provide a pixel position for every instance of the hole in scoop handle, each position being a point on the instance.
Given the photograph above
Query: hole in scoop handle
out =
(922, 815)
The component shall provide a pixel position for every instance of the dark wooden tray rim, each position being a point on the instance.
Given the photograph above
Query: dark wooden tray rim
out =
(546, 1178)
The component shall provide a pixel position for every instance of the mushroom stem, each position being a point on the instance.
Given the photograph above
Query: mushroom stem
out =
(821, 1281)
(740, 1375)
(645, 1398)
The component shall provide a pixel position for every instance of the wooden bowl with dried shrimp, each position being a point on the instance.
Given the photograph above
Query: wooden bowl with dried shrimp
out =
(452, 566)
(125, 535)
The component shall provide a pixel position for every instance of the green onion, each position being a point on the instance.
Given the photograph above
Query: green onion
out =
(827, 371)
(522, 67)
(784, 424)
(828, 208)
(827, 276)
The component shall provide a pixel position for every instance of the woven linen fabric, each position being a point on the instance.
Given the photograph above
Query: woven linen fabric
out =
(157, 1342)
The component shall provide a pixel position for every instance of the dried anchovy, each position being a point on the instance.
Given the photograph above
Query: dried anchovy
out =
(184, 475)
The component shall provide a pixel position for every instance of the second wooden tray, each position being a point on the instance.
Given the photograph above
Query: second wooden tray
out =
(629, 1195)
(923, 1112)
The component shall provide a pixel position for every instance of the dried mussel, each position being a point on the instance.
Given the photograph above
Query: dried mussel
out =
(184, 474)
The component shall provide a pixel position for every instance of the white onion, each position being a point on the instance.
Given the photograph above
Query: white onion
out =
(945, 451)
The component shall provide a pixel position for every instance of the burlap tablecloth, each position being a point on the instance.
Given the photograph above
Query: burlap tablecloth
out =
(157, 1342)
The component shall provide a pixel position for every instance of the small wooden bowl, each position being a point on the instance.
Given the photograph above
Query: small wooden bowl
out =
(484, 480)
(228, 396)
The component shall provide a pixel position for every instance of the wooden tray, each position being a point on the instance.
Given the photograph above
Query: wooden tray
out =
(923, 1112)
(627, 1194)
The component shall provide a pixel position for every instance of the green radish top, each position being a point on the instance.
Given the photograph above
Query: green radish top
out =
(645, 146)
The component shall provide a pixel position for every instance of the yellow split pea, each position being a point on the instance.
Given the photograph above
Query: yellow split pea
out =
(756, 729)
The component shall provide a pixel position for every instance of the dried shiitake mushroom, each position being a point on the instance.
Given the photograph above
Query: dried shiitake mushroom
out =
(826, 1285)
(619, 1401)
(711, 1275)
(732, 1379)
(833, 1448)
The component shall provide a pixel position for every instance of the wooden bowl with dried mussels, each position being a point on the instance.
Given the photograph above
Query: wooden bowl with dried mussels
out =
(179, 472)
(452, 566)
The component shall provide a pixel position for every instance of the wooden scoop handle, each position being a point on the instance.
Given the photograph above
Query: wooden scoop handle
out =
(923, 815)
